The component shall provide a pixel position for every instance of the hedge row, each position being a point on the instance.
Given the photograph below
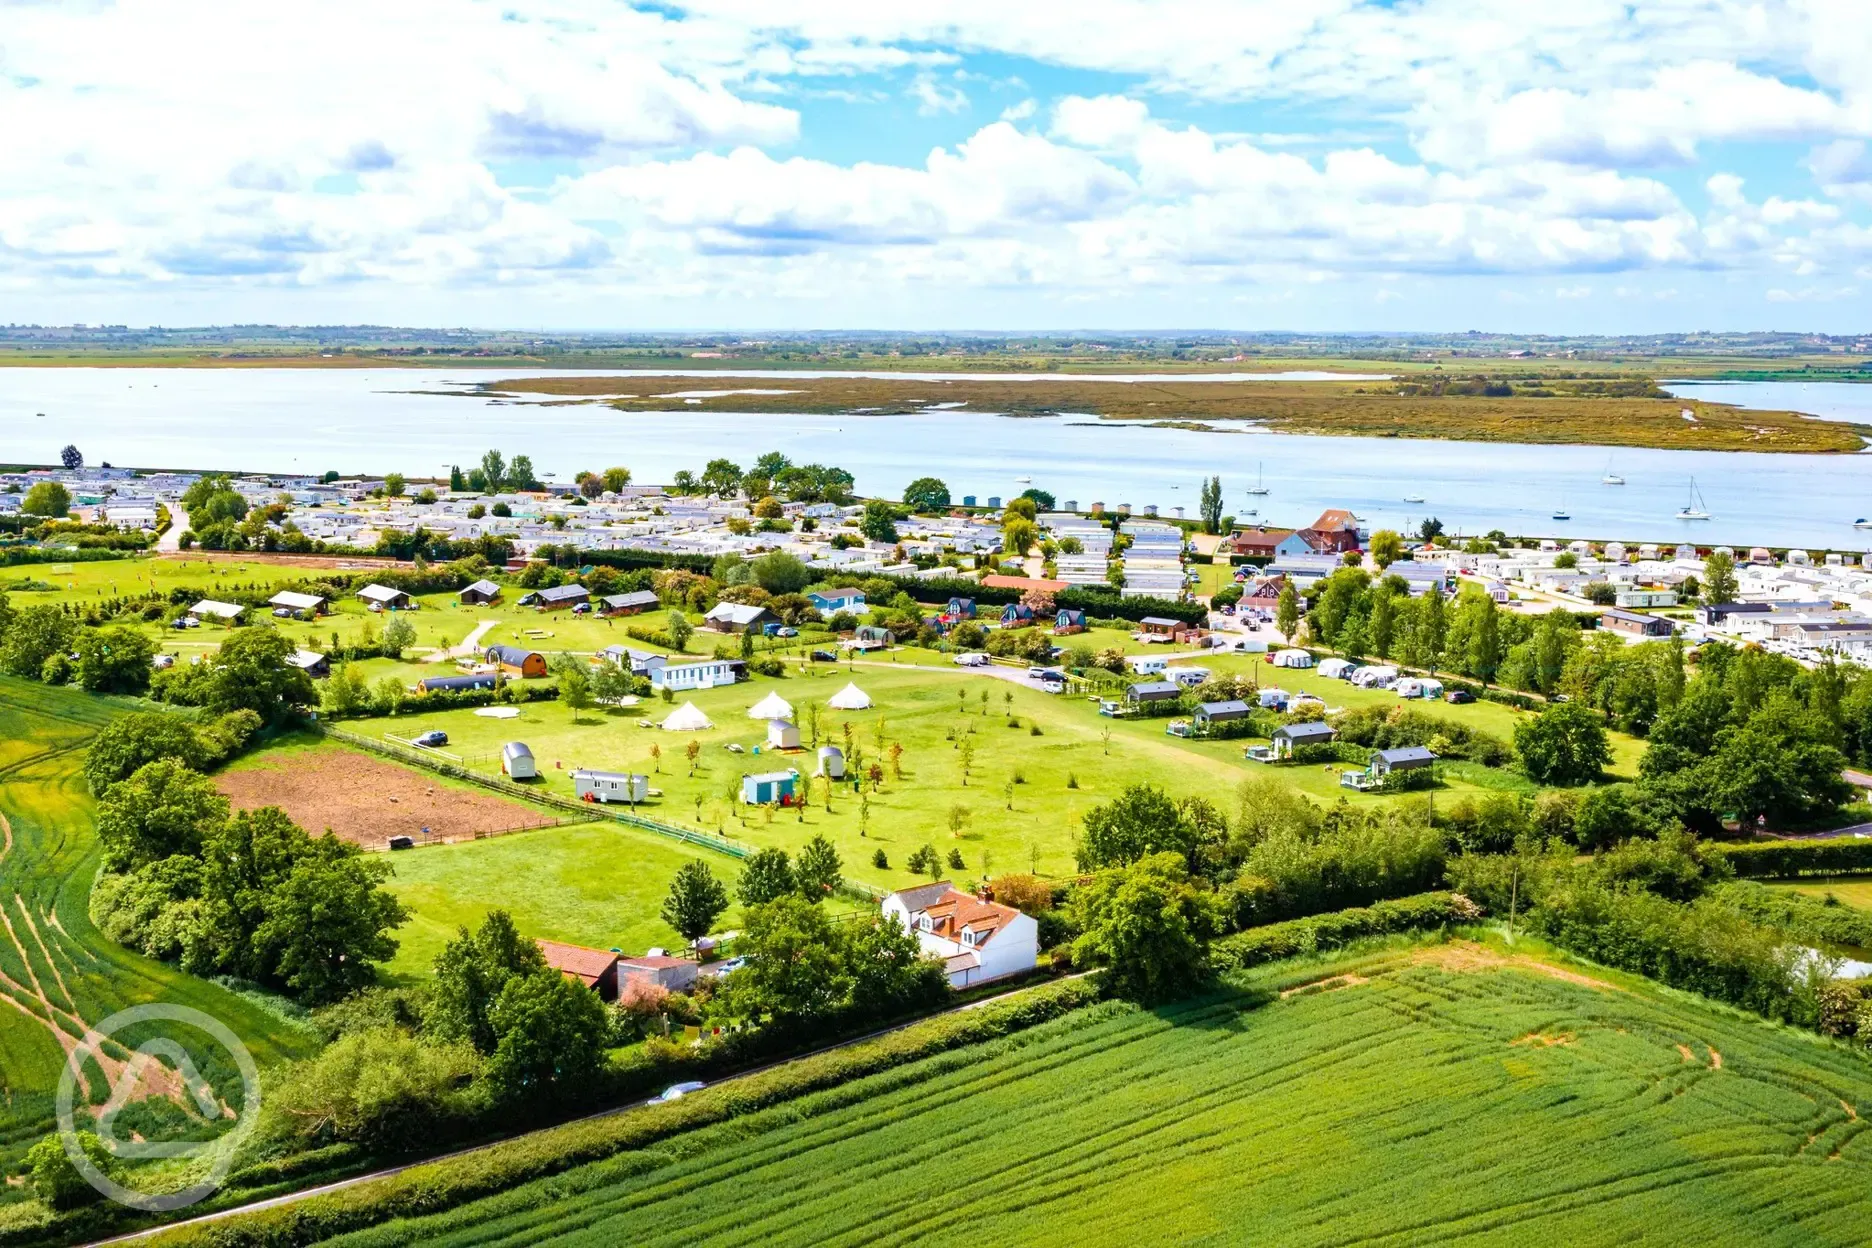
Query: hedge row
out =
(429, 1189)
(14, 556)
(1259, 945)
(1787, 860)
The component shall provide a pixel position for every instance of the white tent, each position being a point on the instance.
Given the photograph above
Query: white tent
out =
(850, 698)
(773, 706)
(688, 719)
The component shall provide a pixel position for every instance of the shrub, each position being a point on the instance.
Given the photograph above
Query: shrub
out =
(1330, 931)
(1787, 860)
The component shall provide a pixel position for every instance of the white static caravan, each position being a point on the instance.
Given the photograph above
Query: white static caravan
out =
(610, 786)
(517, 761)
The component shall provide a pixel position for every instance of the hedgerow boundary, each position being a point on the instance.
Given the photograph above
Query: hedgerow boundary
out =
(585, 812)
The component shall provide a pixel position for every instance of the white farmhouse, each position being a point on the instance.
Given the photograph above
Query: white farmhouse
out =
(977, 940)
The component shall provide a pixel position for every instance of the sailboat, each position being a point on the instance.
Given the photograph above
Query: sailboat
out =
(1561, 513)
(1610, 478)
(1695, 508)
(1257, 487)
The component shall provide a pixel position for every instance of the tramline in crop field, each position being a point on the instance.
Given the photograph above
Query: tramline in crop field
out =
(1415, 1096)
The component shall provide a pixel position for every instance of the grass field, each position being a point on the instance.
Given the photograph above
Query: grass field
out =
(58, 975)
(1848, 890)
(599, 885)
(1429, 1094)
(1365, 409)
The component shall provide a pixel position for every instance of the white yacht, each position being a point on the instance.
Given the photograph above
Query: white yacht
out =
(1257, 487)
(1695, 508)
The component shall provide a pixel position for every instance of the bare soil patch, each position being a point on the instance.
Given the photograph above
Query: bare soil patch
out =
(1463, 955)
(1332, 984)
(366, 800)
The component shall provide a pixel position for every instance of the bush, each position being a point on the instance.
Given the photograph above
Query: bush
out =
(1330, 931)
(1287, 876)
(381, 1087)
(1809, 919)
(56, 1181)
(1788, 860)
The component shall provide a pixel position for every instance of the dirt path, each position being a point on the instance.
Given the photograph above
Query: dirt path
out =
(470, 646)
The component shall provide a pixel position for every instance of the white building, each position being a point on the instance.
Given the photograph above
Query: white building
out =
(977, 940)
(696, 674)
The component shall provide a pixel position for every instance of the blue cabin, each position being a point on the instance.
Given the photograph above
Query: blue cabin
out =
(1016, 613)
(771, 788)
(830, 601)
(960, 609)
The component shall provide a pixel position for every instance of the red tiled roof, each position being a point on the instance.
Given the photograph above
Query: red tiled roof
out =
(959, 910)
(998, 581)
(586, 965)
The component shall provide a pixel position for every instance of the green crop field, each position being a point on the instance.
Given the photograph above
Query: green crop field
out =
(58, 974)
(1418, 1095)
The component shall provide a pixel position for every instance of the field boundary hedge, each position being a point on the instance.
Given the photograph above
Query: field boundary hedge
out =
(1322, 932)
(434, 1187)
(1788, 860)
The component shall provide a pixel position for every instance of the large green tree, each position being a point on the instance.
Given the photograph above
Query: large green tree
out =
(250, 672)
(926, 494)
(1148, 925)
(34, 635)
(1565, 744)
(114, 660)
(549, 1037)
(817, 871)
(48, 499)
(795, 968)
(1139, 822)
(470, 974)
(163, 808)
(767, 875)
(1719, 577)
(877, 523)
(129, 741)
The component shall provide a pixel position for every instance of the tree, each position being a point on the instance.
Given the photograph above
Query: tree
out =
(680, 630)
(520, 475)
(458, 484)
(1023, 507)
(877, 523)
(1210, 505)
(1430, 529)
(1018, 537)
(1287, 611)
(778, 572)
(1482, 625)
(114, 660)
(1387, 547)
(1565, 560)
(1564, 745)
(549, 1036)
(33, 636)
(493, 471)
(393, 484)
(887, 970)
(794, 969)
(56, 1181)
(397, 637)
(926, 494)
(1719, 577)
(163, 808)
(328, 921)
(250, 672)
(767, 875)
(1041, 499)
(817, 872)
(128, 742)
(575, 684)
(49, 499)
(71, 457)
(696, 899)
(471, 972)
(721, 477)
(1148, 926)
(1139, 822)
(615, 479)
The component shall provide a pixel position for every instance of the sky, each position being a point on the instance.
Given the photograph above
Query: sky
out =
(1517, 165)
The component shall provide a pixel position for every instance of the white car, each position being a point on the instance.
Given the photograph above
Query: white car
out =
(973, 658)
(676, 1091)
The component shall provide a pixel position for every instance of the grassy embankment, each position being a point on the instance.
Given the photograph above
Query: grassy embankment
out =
(1420, 1093)
(1572, 416)
(58, 974)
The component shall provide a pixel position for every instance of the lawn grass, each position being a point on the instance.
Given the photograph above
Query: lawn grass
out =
(600, 885)
(1855, 891)
(1417, 1094)
(60, 973)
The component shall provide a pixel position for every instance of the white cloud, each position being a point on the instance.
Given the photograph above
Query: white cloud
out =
(1021, 111)
(1105, 121)
(934, 97)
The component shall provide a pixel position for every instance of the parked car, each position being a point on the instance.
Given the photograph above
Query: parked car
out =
(429, 740)
(1456, 697)
(786, 631)
(402, 842)
(676, 1091)
(282, 613)
(824, 656)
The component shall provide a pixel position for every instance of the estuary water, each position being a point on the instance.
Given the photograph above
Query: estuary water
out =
(373, 421)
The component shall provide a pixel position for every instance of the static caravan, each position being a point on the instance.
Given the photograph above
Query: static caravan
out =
(610, 786)
(770, 788)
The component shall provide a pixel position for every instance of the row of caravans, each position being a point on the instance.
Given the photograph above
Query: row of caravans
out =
(1381, 676)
